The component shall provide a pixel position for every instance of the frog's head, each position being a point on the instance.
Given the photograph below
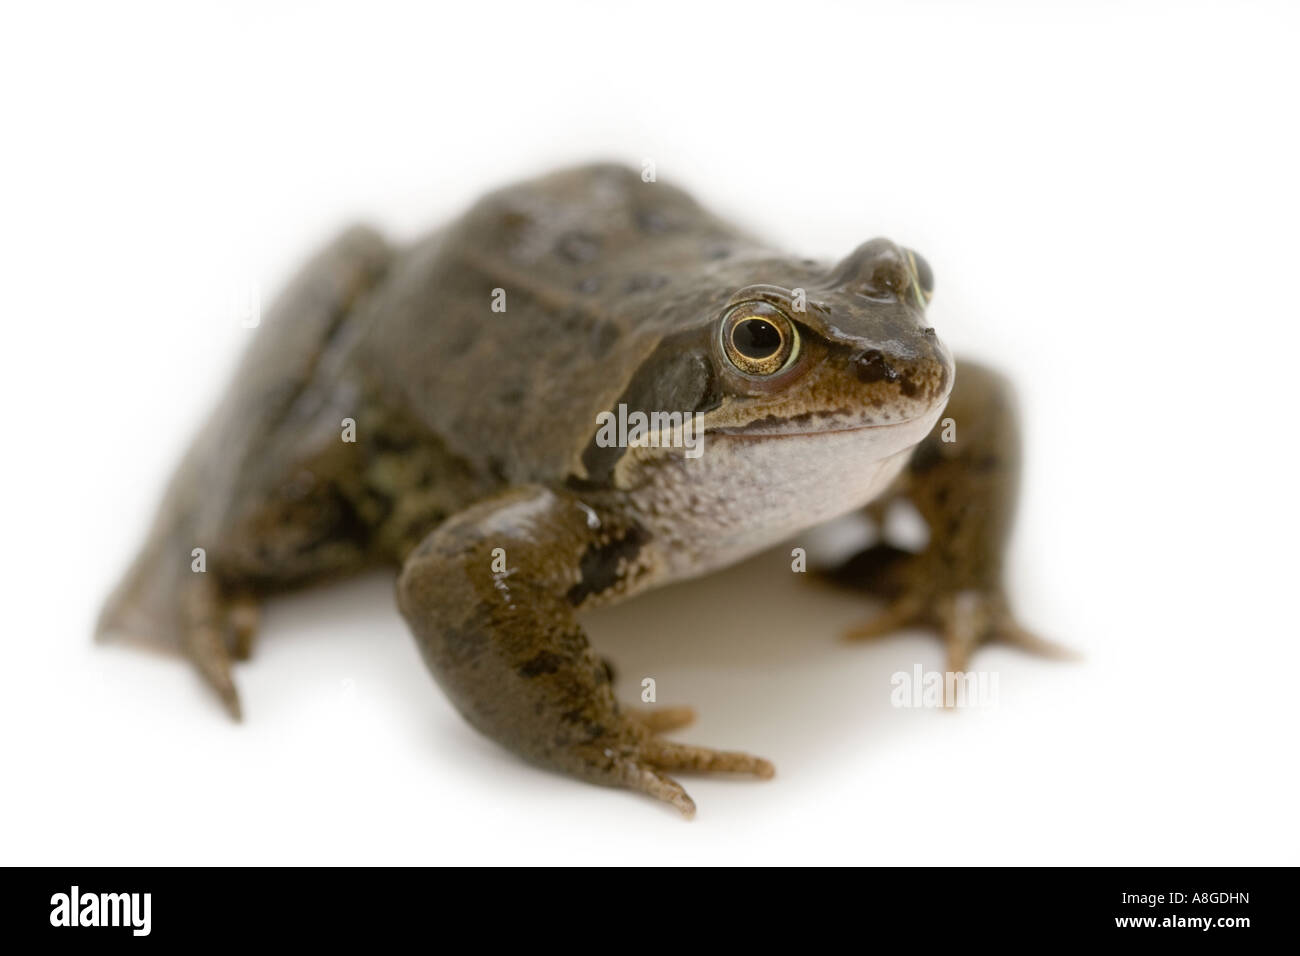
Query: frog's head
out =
(811, 385)
(772, 348)
(848, 350)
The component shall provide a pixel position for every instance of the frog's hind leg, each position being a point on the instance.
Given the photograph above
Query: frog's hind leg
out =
(226, 517)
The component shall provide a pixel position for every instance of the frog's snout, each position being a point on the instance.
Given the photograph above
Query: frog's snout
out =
(915, 378)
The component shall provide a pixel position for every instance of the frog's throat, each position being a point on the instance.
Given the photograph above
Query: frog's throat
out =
(746, 493)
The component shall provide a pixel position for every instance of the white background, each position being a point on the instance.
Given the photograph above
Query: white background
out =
(1107, 193)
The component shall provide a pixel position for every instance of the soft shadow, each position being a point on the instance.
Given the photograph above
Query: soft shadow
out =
(758, 650)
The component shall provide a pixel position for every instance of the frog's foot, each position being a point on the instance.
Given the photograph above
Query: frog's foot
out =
(966, 616)
(638, 759)
(966, 620)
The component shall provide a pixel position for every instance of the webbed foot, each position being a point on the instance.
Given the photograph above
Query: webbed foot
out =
(965, 616)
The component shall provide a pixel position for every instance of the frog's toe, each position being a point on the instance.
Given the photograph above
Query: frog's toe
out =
(662, 720)
(901, 613)
(206, 646)
(205, 640)
(243, 615)
(657, 720)
(668, 755)
(969, 619)
(641, 761)
(645, 779)
(1007, 630)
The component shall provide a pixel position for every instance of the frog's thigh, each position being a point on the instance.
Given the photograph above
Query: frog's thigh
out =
(490, 596)
(963, 480)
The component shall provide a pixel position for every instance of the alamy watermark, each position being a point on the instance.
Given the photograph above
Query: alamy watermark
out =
(651, 430)
(102, 909)
(940, 689)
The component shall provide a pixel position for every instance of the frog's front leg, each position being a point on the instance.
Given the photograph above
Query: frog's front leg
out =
(491, 596)
(963, 480)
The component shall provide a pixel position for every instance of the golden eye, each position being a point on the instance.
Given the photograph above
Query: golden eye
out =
(758, 339)
(922, 275)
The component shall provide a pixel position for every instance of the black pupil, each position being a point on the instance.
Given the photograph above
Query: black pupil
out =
(756, 339)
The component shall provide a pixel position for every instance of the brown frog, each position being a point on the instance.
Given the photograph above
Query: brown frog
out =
(585, 387)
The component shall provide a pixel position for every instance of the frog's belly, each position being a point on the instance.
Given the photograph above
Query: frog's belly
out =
(743, 495)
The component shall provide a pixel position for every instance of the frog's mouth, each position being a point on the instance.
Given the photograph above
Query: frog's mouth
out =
(792, 428)
(845, 440)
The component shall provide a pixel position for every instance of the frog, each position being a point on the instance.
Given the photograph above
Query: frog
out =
(433, 408)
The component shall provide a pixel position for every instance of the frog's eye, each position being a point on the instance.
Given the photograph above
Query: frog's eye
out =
(923, 274)
(758, 339)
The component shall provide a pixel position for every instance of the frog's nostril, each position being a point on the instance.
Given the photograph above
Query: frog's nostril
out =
(871, 366)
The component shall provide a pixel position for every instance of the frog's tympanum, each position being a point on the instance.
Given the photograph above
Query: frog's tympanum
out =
(444, 409)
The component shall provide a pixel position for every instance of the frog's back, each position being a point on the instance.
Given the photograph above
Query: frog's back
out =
(507, 332)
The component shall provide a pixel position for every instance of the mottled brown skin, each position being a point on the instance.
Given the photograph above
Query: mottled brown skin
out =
(475, 445)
